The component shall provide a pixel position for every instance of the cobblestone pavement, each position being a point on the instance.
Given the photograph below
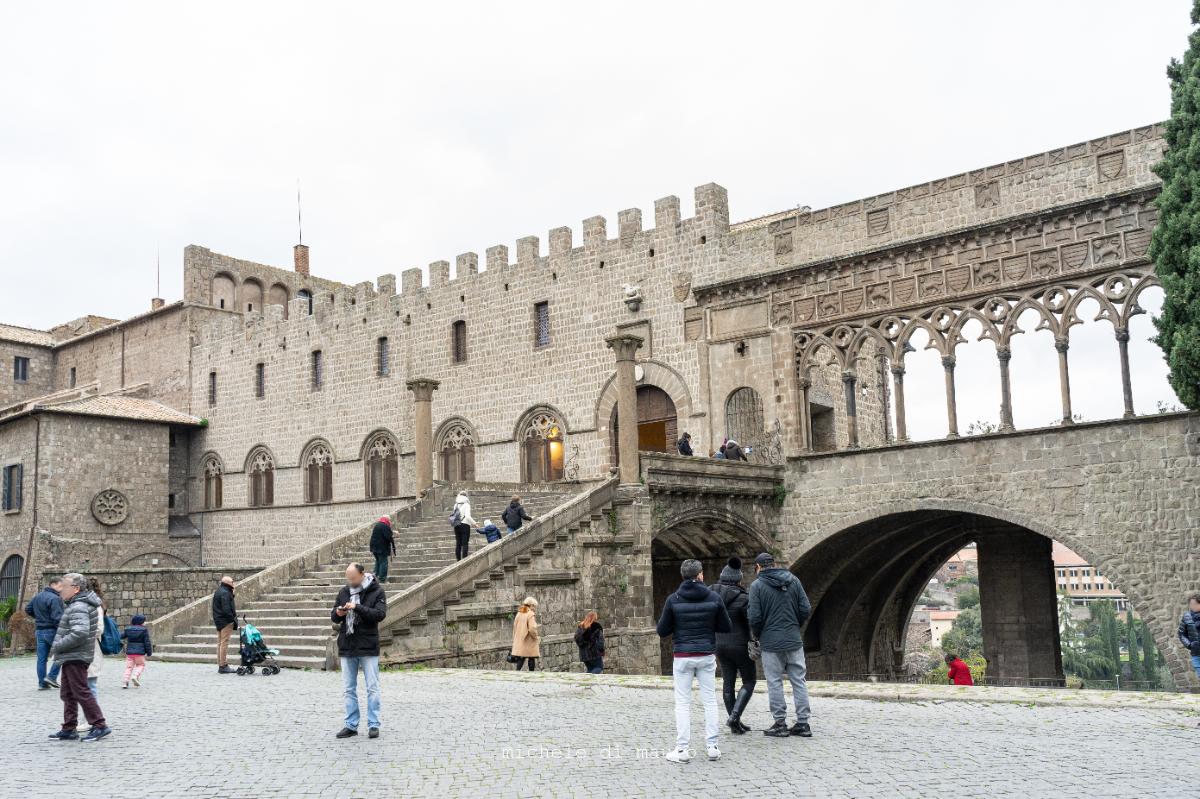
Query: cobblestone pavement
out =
(191, 732)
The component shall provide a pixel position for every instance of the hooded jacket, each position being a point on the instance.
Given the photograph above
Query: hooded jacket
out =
(464, 510)
(491, 532)
(733, 452)
(736, 601)
(514, 515)
(383, 540)
(684, 445)
(46, 608)
(78, 629)
(693, 615)
(224, 612)
(372, 609)
(137, 640)
(778, 610)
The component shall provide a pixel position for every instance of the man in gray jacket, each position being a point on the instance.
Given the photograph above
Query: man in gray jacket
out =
(777, 612)
(73, 648)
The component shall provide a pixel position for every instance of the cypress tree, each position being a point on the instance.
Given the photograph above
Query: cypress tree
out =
(1135, 668)
(1175, 246)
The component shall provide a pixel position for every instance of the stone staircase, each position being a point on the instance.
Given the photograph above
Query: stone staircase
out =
(293, 615)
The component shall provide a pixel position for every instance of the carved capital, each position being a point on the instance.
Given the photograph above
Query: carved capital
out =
(948, 361)
(1004, 354)
(849, 376)
(898, 371)
(422, 388)
(624, 345)
(1122, 334)
(805, 383)
(1062, 344)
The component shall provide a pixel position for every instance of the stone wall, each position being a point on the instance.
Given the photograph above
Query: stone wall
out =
(40, 376)
(18, 444)
(1125, 495)
(155, 592)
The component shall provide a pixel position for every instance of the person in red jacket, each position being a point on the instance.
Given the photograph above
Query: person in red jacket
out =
(958, 672)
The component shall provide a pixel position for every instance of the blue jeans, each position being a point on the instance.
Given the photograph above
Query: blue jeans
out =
(510, 530)
(1196, 664)
(370, 670)
(594, 666)
(94, 686)
(45, 638)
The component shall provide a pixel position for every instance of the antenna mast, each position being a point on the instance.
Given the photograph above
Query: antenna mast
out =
(299, 219)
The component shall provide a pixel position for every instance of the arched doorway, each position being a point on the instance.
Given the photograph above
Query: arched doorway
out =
(744, 416)
(709, 535)
(541, 435)
(658, 425)
(864, 580)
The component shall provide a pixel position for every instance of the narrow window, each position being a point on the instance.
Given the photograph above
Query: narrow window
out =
(458, 341)
(260, 380)
(382, 366)
(10, 493)
(72, 378)
(20, 369)
(541, 324)
(212, 389)
(316, 370)
(221, 302)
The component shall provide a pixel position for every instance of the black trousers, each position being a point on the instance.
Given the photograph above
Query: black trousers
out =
(735, 663)
(531, 661)
(462, 540)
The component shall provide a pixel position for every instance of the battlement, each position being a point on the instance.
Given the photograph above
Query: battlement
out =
(635, 250)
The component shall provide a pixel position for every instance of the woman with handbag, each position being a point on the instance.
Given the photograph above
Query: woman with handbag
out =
(734, 647)
(526, 639)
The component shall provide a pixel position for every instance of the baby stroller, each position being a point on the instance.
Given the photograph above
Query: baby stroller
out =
(254, 651)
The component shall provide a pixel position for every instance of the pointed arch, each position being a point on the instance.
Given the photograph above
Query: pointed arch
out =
(455, 446)
(316, 462)
(381, 465)
(213, 471)
(541, 435)
(260, 474)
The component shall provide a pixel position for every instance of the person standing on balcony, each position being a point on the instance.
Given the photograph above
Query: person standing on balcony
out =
(684, 445)
(733, 451)
(383, 546)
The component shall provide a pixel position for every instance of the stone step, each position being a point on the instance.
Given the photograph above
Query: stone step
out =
(294, 625)
(290, 662)
(211, 647)
(284, 643)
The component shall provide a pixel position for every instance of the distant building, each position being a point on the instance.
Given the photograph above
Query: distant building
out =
(1083, 582)
(940, 622)
(964, 563)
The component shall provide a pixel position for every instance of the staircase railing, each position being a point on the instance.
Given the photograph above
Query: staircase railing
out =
(199, 613)
(445, 583)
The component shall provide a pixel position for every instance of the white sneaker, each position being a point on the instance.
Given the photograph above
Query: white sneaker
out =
(714, 753)
(137, 682)
(678, 756)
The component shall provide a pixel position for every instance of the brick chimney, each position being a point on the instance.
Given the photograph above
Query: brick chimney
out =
(300, 254)
(156, 303)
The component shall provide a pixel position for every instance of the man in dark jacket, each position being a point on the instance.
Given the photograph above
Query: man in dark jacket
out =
(360, 606)
(46, 608)
(693, 616)
(733, 451)
(1189, 630)
(514, 516)
(684, 445)
(777, 612)
(732, 647)
(383, 546)
(224, 615)
(74, 648)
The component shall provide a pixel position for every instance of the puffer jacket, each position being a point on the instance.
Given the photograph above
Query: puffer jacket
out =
(693, 616)
(137, 640)
(778, 610)
(463, 504)
(46, 608)
(78, 629)
(224, 610)
(1189, 632)
(736, 602)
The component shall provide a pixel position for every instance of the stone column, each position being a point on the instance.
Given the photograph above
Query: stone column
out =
(951, 404)
(624, 346)
(1004, 355)
(1122, 334)
(805, 417)
(422, 389)
(1019, 608)
(898, 383)
(1064, 379)
(850, 381)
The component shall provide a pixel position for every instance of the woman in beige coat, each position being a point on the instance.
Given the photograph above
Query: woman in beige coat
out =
(526, 643)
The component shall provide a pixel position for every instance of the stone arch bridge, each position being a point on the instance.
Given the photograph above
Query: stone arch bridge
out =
(866, 529)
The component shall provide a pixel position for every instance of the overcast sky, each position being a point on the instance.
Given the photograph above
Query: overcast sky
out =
(419, 131)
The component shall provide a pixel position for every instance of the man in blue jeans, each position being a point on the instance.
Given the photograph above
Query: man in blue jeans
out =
(1189, 630)
(693, 616)
(360, 606)
(46, 608)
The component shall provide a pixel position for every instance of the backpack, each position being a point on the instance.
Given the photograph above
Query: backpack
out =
(456, 517)
(110, 640)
